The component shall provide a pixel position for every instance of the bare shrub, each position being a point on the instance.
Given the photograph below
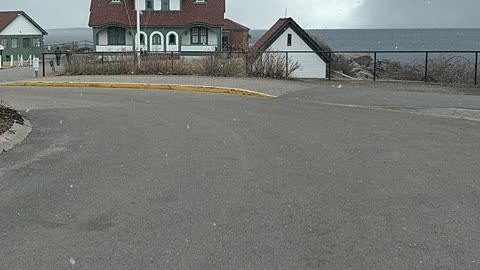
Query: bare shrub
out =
(90, 64)
(271, 65)
(217, 64)
(454, 69)
(155, 64)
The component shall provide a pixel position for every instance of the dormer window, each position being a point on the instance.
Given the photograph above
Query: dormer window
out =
(150, 5)
(165, 5)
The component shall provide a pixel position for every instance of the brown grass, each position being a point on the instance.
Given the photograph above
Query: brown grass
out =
(271, 65)
(451, 70)
(213, 64)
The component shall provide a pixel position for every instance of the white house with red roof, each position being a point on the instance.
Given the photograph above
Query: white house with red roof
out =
(20, 35)
(287, 36)
(165, 25)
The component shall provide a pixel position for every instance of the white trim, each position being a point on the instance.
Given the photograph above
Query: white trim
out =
(198, 48)
(114, 48)
(145, 46)
(157, 48)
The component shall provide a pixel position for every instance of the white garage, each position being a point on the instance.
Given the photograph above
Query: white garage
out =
(287, 36)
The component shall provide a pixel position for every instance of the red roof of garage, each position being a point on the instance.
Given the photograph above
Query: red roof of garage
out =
(7, 17)
(231, 25)
(279, 28)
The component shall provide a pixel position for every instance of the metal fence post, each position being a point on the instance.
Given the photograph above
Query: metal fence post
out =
(375, 66)
(426, 66)
(246, 63)
(43, 64)
(286, 65)
(476, 68)
(330, 66)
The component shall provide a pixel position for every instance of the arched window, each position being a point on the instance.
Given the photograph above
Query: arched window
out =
(156, 39)
(172, 39)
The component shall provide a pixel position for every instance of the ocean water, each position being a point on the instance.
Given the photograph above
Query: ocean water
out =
(398, 40)
(395, 39)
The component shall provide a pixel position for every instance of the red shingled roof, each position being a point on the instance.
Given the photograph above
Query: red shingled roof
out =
(269, 34)
(103, 13)
(7, 17)
(231, 25)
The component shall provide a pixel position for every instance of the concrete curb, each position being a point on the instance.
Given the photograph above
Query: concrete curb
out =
(15, 135)
(144, 86)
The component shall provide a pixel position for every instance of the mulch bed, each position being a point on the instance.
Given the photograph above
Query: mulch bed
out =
(8, 117)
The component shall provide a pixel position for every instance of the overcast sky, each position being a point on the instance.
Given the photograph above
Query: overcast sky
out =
(261, 14)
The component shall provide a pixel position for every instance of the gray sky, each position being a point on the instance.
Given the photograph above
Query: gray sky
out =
(261, 14)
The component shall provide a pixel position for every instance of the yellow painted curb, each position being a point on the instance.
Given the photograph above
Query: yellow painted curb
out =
(143, 86)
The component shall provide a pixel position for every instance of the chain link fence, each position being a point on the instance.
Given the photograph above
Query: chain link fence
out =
(453, 67)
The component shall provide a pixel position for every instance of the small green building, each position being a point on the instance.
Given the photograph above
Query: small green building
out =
(20, 35)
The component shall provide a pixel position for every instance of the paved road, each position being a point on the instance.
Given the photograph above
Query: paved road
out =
(25, 73)
(113, 179)
(279, 87)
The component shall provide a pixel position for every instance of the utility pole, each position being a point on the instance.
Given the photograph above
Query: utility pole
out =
(137, 37)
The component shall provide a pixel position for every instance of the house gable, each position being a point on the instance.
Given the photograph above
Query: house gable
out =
(19, 23)
(275, 35)
(21, 26)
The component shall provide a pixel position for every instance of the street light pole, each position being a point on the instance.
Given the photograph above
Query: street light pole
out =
(137, 37)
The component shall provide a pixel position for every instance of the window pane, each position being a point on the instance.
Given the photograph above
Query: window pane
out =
(149, 4)
(165, 5)
(27, 43)
(194, 39)
(36, 43)
(172, 40)
(157, 40)
(116, 36)
(203, 35)
(4, 43)
(14, 43)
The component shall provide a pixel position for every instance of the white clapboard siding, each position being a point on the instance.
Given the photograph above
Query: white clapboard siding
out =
(21, 26)
(174, 4)
(157, 4)
(311, 65)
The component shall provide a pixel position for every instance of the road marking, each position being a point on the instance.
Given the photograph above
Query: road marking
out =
(144, 86)
(407, 109)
